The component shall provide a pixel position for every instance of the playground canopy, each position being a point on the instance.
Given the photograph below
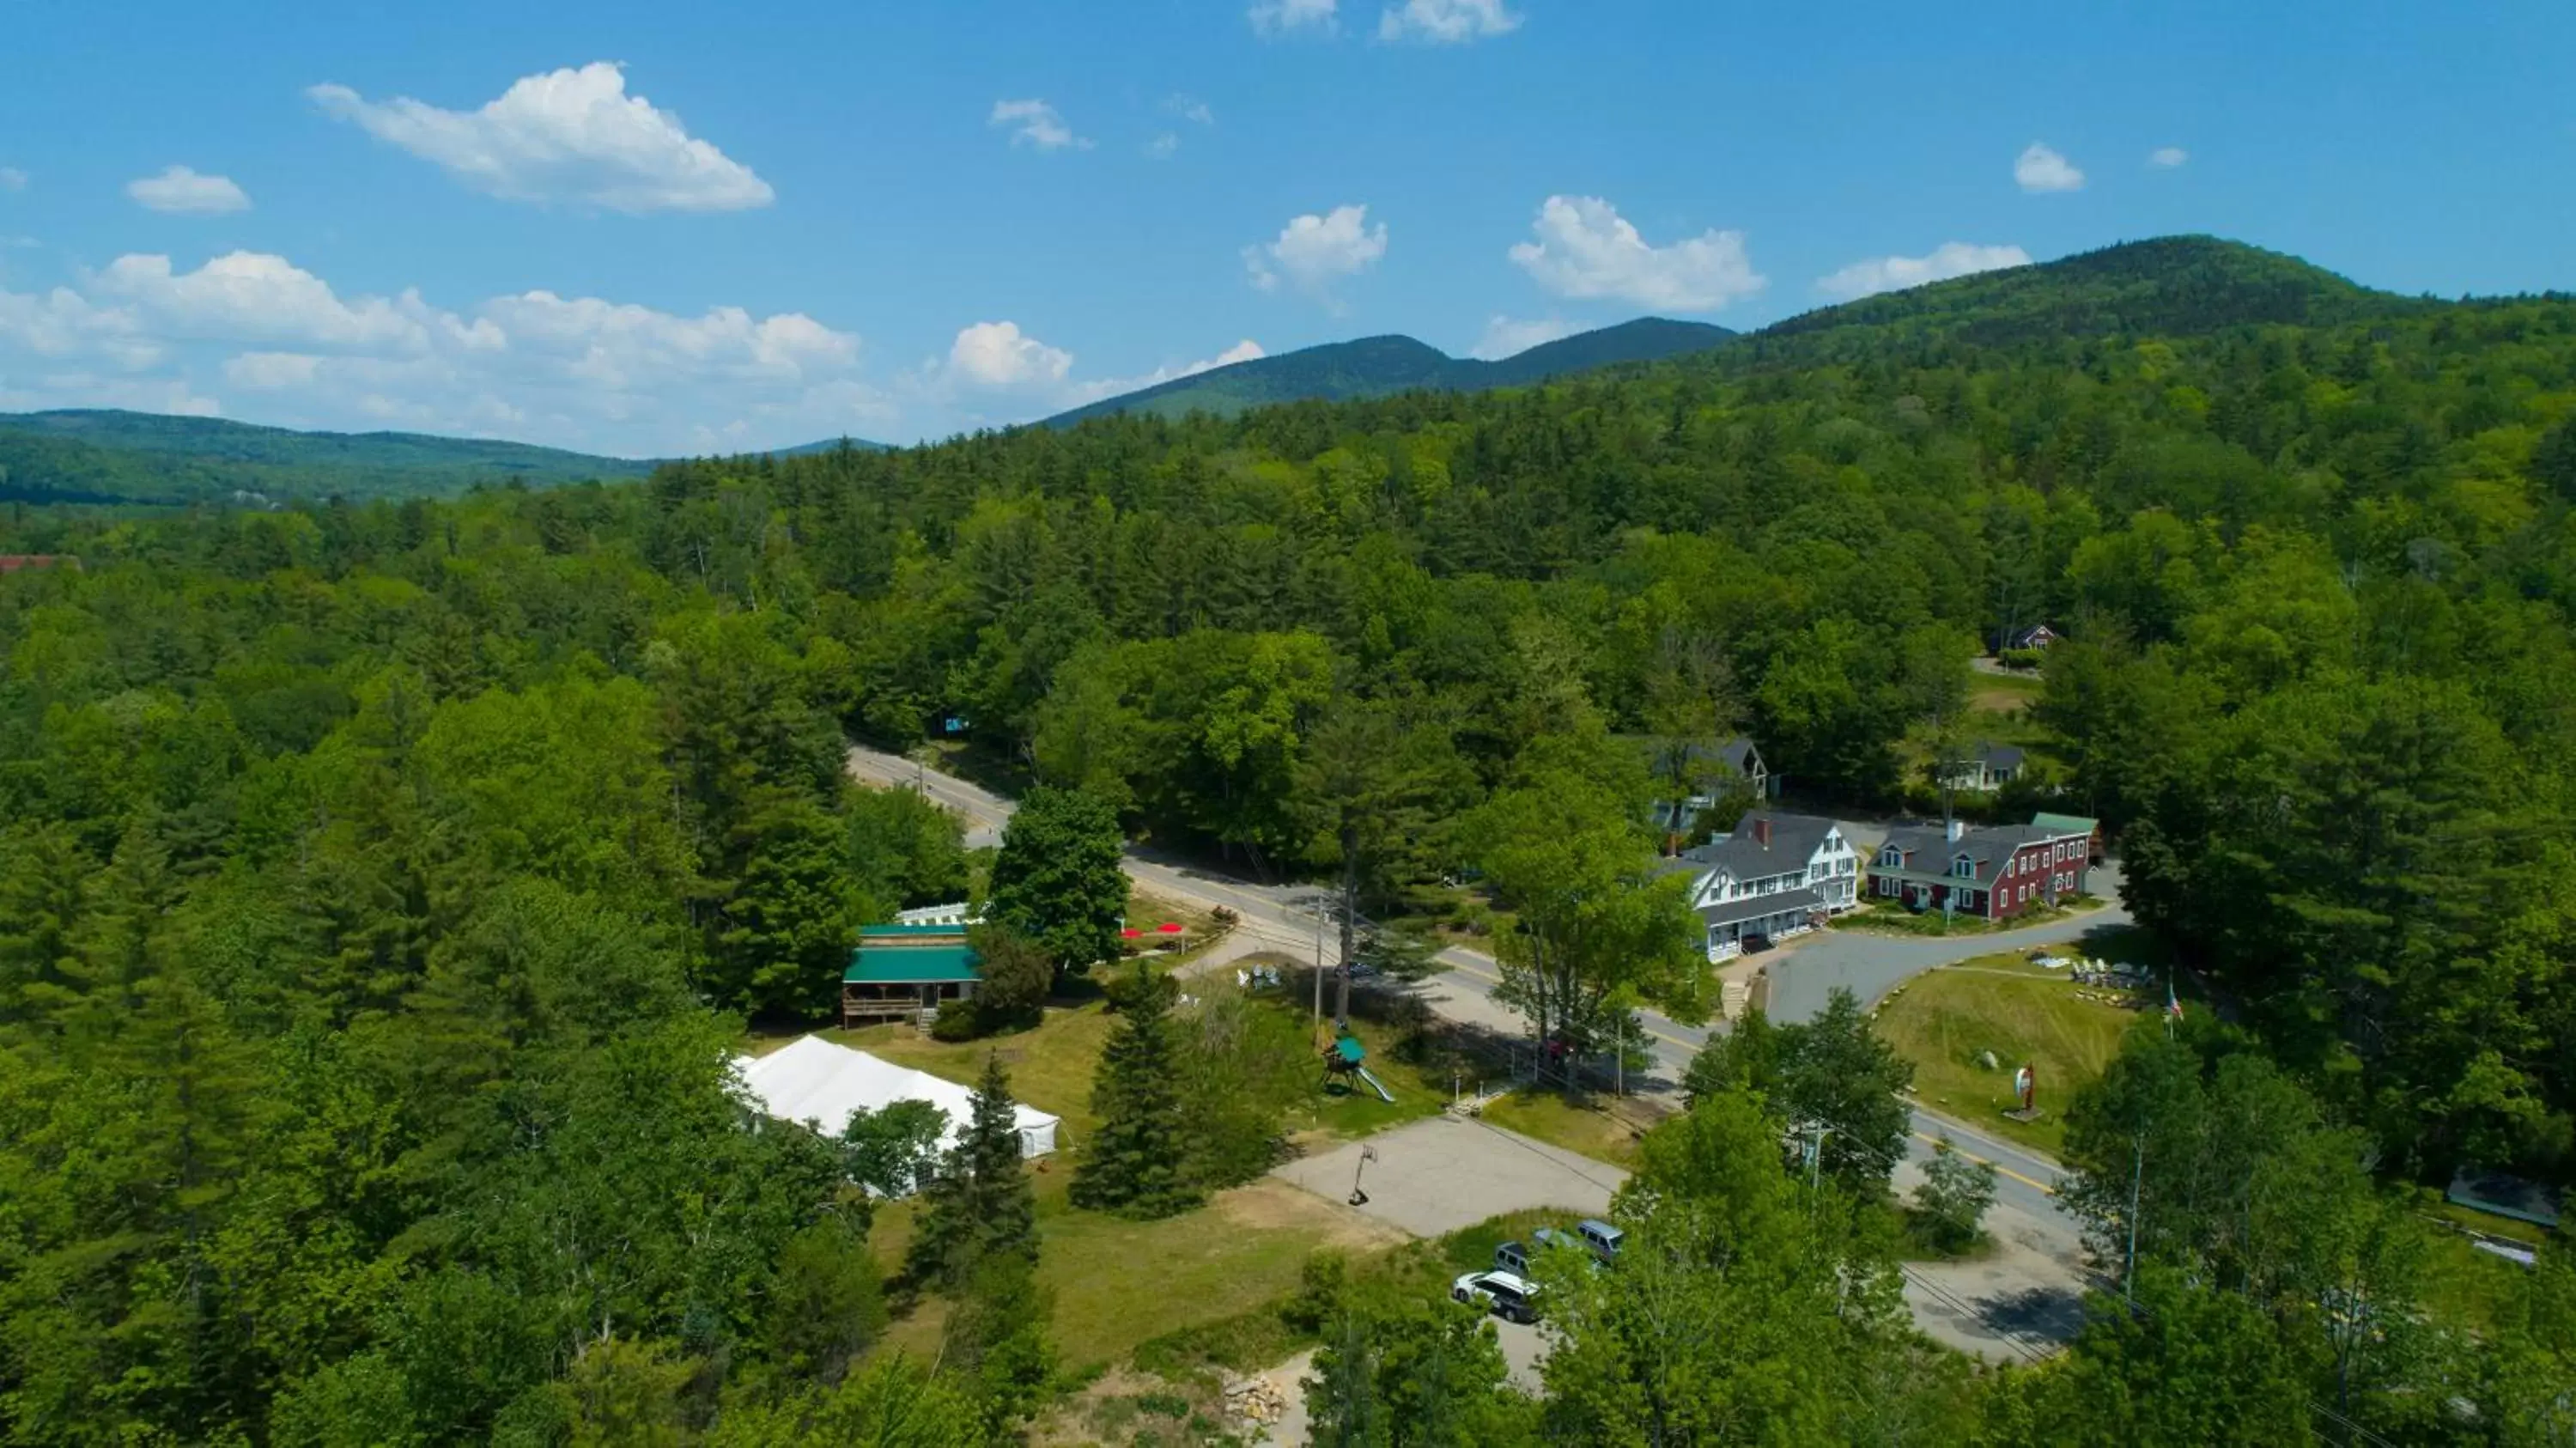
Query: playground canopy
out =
(813, 1081)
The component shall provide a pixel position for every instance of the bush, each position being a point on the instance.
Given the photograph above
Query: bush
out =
(1322, 1286)
(958, 1023)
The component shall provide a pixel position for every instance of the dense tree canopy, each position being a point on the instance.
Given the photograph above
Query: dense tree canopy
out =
(383, 885)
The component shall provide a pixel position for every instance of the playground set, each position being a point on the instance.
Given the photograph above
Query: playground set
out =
(1345, 1060)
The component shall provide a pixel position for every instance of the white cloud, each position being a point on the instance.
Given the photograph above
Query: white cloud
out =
(1246, 350)
(1895, 273)
(1446, 22)
(568, 136)
(999, 354)
(1586, 249)
(1313, 252)
(1274, 18)
(1509, 337)
(186, 193)
(2165, 158)
(578, 372)
(12, 179)
(62, 323)
(268, 371)
(2039, 168)
(246, 295)
(1190, 109)
(1163, 147)
(1035, 123)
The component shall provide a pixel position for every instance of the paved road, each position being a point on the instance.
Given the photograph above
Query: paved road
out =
(1802, 976)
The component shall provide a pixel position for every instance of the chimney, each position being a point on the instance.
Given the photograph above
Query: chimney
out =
(1955, 829)
(1762, 831)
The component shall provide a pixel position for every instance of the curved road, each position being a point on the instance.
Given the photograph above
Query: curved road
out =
(1802, 975)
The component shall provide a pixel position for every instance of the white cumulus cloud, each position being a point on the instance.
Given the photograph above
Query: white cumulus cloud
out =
(1163, 147)
(1895, 273)
(1274, 18)
(1035, 123)
(1246, 350)
(2039, 168)
(270, 371)
(186, 193)
(566, 136)
(1189, 108)
(581, 372)
(1446, 22)
(1586, 249)
(1313, 252)
(1509, 337)
(999, 354)
(2165, 158)
(248, 295)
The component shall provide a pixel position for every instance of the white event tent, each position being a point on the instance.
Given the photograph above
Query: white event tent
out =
(813, 1081)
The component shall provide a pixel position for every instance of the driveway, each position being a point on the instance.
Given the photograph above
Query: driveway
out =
(1434, 1177)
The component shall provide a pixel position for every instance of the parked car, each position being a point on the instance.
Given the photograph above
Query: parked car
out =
(1601, 1237)
(1515, 1258)
(1508, 1295)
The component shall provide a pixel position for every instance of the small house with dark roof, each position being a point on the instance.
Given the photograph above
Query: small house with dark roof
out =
(908, 972)
(1997, 872)
(1732, 766)
(1777, 875)
(2037, 636)
(1988, 767)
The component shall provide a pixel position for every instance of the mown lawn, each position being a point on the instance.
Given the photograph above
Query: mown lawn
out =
(1589, 1128)
(2020, 1013)
(1886, 917)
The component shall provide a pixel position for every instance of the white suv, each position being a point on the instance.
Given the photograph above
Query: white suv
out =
(1510, 1296)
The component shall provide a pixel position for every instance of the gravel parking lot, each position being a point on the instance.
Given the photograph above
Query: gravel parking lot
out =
(1433, 1177)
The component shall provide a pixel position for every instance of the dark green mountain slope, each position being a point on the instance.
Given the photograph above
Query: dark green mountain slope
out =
(2177, 286)
(1381, 366)
(151, 456)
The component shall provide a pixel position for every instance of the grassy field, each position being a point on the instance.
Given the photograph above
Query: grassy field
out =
(1549, 1117)
(1882, 917)
(2002, 693)
(1119, 1283)
(2003, 1004)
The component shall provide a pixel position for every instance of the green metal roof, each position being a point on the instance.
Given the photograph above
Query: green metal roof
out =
(908, 932)
(911, 965)
(2069, 823)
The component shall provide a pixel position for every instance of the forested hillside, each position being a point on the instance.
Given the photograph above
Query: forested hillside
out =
(382, 885)
(89, 456)
(1378, 366)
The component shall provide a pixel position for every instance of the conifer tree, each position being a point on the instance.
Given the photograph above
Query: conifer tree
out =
(1137, 1163)
(979, 1207)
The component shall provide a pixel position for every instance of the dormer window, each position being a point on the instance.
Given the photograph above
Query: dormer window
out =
(1891, 857)
(1963, 867)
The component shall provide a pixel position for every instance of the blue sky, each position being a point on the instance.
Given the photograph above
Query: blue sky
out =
(900, 221)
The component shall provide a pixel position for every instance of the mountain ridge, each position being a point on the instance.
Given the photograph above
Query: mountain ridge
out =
(2173, 286)
(1393, 362)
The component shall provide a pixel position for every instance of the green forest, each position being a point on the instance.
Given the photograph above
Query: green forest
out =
(385, 884)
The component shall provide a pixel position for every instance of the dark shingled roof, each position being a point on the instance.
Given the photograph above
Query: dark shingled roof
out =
(1806, 899)
(1929, 851)
(1795, 838)
(1999, 756)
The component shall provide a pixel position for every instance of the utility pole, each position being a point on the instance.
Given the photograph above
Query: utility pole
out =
(2137, 1176)
(1319, 967)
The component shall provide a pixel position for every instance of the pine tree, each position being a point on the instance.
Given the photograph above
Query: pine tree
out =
(1341, 1398)
(1137, 1164)
(979, 1207)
